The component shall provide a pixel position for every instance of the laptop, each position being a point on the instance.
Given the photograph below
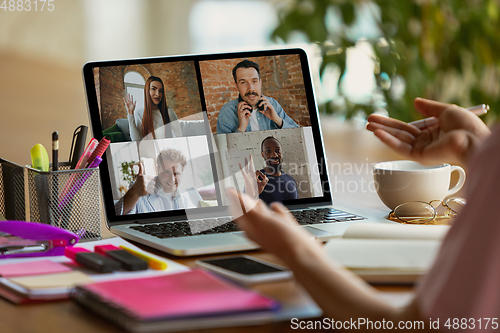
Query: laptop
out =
(185, 128)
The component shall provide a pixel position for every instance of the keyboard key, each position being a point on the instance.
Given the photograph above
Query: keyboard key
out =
(225, 219)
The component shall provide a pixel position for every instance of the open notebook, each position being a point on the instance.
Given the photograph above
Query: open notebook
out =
(388, 253)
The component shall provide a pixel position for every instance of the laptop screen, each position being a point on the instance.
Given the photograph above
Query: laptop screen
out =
(185, 128)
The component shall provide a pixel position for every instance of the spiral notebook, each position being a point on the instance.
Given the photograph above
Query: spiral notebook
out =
(188, 300)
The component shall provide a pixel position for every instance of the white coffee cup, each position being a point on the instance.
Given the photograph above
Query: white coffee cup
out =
(404, 181)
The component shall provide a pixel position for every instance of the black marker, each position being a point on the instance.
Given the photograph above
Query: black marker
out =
(92, 260)
(127, 260)
(55, 151)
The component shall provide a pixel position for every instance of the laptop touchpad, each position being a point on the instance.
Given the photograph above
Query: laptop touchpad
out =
(315, 232)
(318, 233)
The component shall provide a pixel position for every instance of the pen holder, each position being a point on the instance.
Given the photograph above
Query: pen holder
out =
(12, 192)
(67, 198)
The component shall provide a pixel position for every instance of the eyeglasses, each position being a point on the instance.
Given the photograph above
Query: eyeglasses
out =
(419, 212)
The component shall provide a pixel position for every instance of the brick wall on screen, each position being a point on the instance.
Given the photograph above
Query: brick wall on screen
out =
(281, 79)
(181, 86)
(97, 88)
(111, 93)
(181, 89)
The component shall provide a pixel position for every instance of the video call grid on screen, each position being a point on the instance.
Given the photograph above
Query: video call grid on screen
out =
(196, 89)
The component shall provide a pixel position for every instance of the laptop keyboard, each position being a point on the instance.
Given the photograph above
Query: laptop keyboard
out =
(225, 224)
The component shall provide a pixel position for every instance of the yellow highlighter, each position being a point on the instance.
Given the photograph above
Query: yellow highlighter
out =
(39, 158)
(152, 262)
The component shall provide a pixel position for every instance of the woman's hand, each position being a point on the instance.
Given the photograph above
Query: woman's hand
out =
(454, 139)
(255, 181)
(273, 228)
(129, 103)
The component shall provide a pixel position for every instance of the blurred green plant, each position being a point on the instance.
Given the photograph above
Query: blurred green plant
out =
(439, 49)
(127, 171)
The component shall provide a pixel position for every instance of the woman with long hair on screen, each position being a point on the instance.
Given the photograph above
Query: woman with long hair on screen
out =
(151, 121)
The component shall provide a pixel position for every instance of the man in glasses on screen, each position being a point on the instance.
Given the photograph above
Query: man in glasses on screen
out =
(160, 193)
(252, 111)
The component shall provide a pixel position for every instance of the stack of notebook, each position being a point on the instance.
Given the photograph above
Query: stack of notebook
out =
(188, 300)
(37, 281)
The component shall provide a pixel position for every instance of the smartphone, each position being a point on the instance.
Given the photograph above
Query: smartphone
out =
(245, 269)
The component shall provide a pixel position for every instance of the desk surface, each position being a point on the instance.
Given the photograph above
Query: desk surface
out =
(351, 151)
(66, 315)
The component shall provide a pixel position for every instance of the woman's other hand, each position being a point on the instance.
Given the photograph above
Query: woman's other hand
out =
(454, 139)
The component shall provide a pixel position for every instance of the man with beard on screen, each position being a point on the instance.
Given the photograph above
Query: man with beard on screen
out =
(252, 111)
(271, 183)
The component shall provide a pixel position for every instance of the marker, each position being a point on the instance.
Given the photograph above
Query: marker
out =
(78, 184)
(99, 150)
(92, 260)
(82, 162)
(152, 262)
(77, 145)
(427, 122)
(39, 158)
(55, 151)
(128, 261)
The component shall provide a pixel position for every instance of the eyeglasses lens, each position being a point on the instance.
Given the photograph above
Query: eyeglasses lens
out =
(455, 204)
(415, 212)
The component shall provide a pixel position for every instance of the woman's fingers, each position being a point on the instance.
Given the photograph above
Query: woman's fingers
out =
(397, 133)
(240, 203)
(235, 203)
(393, 123)
(431, 108)
(278, 207)
(251, 167)
(399, 146)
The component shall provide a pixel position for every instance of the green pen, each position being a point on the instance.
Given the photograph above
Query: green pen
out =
(39, 158)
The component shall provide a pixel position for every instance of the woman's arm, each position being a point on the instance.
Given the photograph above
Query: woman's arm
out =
(174, 123)
(135, 123)
(132, 117)
(342, 295)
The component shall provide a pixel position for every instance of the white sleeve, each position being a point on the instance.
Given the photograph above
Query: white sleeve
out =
(134, 125)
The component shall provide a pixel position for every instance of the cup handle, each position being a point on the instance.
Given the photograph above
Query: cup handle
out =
(461, 180)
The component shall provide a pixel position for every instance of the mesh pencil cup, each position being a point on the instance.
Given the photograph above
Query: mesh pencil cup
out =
(67, 198)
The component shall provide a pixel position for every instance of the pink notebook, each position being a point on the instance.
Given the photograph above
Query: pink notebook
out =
(33, 268)
(190, 294)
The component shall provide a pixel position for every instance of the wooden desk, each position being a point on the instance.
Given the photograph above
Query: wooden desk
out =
(66, 315)
(58, 103)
